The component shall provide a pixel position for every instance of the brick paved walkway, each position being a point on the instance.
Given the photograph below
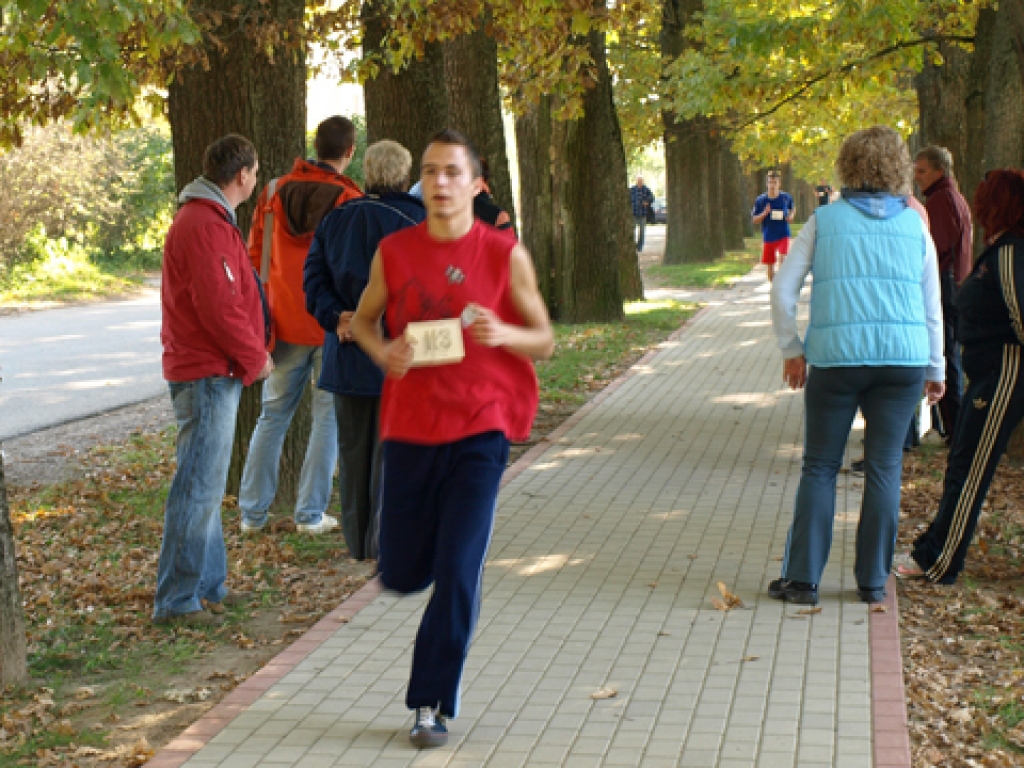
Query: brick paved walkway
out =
(605, 558)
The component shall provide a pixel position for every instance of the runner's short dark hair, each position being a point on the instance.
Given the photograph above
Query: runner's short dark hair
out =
(773, 174)
(225, 157)
(335, 136)
(455, 138)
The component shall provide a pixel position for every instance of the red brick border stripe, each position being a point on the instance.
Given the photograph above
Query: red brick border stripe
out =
(213, 722)
(891, 733)
(196, 736)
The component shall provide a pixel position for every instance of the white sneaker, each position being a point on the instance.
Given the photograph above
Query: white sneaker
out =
(327, 523)
(248, 527)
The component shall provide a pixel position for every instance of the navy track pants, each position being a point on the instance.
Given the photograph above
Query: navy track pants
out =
(992, 408)
(437, 514)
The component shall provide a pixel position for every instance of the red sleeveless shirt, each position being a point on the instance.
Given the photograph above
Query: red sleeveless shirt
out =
(491, 389)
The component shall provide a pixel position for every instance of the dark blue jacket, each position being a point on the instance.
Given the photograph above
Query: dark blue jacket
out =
(336, 273)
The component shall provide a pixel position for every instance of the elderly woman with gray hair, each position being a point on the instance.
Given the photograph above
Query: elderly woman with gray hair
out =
(336, 273)
(874, 342)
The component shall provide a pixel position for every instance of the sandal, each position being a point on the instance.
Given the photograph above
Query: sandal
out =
(907, 568)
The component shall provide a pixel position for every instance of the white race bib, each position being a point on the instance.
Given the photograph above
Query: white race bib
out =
(778, 215)
(436, 342)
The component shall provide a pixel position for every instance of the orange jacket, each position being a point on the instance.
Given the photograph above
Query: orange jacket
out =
(301, 199)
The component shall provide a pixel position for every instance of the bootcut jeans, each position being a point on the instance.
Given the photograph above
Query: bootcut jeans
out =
(294, 366)
(193, 560)
(887, 396)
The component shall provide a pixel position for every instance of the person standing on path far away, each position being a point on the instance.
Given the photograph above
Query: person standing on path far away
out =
(823, 193)
(213, 335)
(773, 211)
(282, 227)
(990, 306)
(336, 273)
(874, 343)
(450, 283)
(641, 199)
(949, 219)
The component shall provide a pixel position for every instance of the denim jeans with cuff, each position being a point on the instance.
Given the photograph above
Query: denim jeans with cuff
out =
(193, 561)
(294, 366)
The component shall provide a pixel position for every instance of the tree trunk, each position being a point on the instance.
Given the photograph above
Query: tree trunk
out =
(408, 106)
(474, 104)
(1004, 112)
(715, 193)
(576, 217)
(13, 657)
(734, 206)
(687, 174)
(941, 96)
(1004, 101)
(973, 169)
(539, 171)
(606, 268)
(749, 195)
(265, 101)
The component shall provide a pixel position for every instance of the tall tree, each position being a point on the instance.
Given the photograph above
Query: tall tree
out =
(261, 94)
(13, 658)
(576, 217)
(942, 98)
(408, 103)
(735, 209)
(474, 103)
(688, 236)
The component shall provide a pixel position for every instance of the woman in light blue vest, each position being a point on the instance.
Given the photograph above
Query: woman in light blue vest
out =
(874, 342)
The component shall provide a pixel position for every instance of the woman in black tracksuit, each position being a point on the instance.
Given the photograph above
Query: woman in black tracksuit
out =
(990, 304)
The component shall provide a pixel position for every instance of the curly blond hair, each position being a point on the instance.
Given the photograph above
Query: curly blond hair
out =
(875, 159)
(386, 166)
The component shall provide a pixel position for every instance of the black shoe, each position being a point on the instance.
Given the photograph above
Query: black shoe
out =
(799, 592)
(857, 466)
(429, 729)
(871, 595)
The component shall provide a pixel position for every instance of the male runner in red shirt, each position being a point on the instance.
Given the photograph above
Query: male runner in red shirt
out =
(445, 429)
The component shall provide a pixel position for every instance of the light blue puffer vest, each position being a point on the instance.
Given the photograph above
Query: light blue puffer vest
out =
(867, 306)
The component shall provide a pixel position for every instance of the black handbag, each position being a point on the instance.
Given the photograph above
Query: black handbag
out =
(650, 214)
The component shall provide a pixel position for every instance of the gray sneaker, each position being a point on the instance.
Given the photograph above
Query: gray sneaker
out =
(327, 523)
(429, 729)
(248, 527)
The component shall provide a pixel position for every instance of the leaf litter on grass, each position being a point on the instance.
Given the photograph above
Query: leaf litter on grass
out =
(87, 554)
(963, 646)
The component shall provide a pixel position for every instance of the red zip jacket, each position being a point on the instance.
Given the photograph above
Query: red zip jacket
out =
(212, 317)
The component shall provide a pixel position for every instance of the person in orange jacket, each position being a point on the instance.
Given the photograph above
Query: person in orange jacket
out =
(286, 216)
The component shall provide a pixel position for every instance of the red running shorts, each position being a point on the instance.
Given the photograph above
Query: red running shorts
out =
(771, 251)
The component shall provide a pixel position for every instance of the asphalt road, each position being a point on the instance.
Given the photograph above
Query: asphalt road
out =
(59, 365)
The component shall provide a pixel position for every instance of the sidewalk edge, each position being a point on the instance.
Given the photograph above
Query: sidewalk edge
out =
(890, 730)
(197, 735)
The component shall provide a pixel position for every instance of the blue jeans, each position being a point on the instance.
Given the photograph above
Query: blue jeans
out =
(193, 562)
(294, 366)
(887, 397)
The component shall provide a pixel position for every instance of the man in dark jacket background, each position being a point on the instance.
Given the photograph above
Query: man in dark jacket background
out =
(336, 273)
(949, 221)
(213, 339)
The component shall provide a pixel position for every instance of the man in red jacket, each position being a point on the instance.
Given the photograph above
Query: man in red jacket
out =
(949, 220)
(297, 204)
(213, 339)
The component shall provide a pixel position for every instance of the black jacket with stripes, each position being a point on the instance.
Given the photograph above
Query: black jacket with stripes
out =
(990, 303)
